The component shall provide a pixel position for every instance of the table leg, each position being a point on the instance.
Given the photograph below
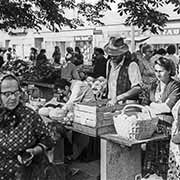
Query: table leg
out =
(120, 163)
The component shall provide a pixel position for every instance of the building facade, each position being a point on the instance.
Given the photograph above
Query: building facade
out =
(87, 39)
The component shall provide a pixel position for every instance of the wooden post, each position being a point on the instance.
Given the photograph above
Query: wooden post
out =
(120, 163)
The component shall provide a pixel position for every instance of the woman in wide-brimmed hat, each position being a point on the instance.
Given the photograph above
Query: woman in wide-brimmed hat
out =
(122, 73)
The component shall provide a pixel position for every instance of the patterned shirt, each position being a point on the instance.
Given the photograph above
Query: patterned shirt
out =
(20, 129)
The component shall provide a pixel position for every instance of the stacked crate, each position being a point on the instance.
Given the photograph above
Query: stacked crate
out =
(95, 115)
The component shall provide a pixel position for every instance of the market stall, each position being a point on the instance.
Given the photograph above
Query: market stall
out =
(121, 158)
(120, 154)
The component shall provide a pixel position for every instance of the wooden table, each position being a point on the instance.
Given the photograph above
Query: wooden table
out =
(91, 131)
(121, 158)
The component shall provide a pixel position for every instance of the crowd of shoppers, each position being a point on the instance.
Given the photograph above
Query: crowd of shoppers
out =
(148, 77)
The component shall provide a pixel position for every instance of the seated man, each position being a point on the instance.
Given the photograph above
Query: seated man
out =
(79, 91)
(123, 74)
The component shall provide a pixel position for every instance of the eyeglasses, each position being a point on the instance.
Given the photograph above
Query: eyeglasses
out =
(10, 93)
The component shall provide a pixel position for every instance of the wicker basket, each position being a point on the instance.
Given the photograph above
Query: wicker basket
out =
(130, 126)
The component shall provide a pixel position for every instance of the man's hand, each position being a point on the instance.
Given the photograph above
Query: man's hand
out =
(112, 102)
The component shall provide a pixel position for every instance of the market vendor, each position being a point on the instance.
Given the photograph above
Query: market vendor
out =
(123, 74)
(163, 96)
(69, 70)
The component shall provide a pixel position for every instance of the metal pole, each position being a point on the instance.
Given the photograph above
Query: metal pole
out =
(132, 38)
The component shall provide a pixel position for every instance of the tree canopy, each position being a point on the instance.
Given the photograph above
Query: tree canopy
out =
(51, 13)
(145, 14)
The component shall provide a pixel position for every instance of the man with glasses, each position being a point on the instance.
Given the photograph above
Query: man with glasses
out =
(123, 74)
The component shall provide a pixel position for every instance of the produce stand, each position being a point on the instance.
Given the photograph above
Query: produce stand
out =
(46, 90)
(121, 158)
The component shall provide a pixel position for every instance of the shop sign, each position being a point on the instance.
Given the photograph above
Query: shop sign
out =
(170, 31)
(166, 32)
(83, 38)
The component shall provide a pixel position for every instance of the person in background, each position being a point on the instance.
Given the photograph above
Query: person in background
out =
(139, 53)
(123, 75)
(79, 91)
(161, 52)
(33, 55)
(1, 57)
(69, 54)
(78, 57)
(69, 70)
(164, 93)
(8, 55)
(56, 55)
(24, 136)
(171, 53)
(157, 53)
(14, 54)
(41, 58)
(99, 63)
(147, 72)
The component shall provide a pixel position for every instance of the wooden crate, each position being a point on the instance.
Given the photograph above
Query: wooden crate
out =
(95, 114)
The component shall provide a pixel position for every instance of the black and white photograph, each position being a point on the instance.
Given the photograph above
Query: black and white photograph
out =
(89, 90)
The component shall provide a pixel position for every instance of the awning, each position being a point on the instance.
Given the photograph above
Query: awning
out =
(164, 39)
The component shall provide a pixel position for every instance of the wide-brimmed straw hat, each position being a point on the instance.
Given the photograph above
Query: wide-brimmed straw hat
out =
(116, 46)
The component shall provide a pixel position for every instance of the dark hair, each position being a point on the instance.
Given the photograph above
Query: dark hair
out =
(62, 83)
(161, 51)
(9, 49)
(11, 77)
(77, 49)
(99, 50)
(171, 49)
(69, 49)
(167, 64)
(34, 49)
(145, 47)
(42, 51)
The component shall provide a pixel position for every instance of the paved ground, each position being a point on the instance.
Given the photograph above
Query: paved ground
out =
(87, 171)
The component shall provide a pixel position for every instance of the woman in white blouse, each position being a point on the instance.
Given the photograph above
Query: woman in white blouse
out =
(164, 94)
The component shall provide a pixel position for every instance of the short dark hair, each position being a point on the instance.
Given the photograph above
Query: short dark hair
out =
(171, 49)
(42, 51)
(61, 84)
(99, 50)
(77, 49)
(161, 51)
(33, 49)
(167, 64)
